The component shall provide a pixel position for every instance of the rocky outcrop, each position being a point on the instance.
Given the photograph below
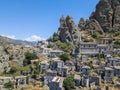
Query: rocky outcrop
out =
(4, 58)
(107, 14)
(10, 53)
(15, 53)
(105, 19)
(68, 31)
(82, 24)
(90, 26)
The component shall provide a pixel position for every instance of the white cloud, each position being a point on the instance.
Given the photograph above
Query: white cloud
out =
(33, 38)
(9, 36)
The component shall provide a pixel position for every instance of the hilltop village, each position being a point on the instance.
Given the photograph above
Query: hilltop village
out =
(39, 67)
(77, 57)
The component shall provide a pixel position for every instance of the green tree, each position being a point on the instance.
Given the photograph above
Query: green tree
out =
(95, 35)
(28, 57)
(27, 80)
(67, 47)
(110, 41)
(34, 76)
(64, 57)
(13, 69)
(37, 68)
(88, 40)
(116, 44)
(69, 83)
(54, 38)
(49, 46)
(9, 85)
(18, 70)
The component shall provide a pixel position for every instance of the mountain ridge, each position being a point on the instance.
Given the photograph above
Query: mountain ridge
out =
(7, 40)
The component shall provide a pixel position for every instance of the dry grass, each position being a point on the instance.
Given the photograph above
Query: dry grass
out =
(30, 87)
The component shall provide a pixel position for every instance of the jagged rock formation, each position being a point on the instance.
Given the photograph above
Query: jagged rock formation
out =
(108, 15)
(68, 31)
(82, 24)
(90, 25)
(105, 19)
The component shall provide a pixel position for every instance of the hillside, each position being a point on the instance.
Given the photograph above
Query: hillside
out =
(12, 41)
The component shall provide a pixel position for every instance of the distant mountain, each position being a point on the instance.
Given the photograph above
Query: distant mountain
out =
(12, 41)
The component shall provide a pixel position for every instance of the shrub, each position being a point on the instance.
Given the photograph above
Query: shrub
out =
(116, 44)
(95, 35)
(64, 57)
(13, 69)
(88, 40)
(67, 47)
(37, 68)
(110, 41)
(28, 57)
(27, 80)
(9, 85)
(34, 76)
(49, 46)
(54, 38)
(69, 83)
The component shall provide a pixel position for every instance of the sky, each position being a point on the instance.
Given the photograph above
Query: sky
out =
(38, 19)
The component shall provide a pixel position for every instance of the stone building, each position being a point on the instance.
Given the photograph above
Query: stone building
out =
(109, 74)
(85, 70)
(49, 75)
(88, 48)
(20, 81)
(77, 80)
(44, 66)
(112, 62)
(4, 80)
(56, 83)
(63, 71)
(117, 70)
(85, 81)
(55, 53)
(96, 80)
(56, 63)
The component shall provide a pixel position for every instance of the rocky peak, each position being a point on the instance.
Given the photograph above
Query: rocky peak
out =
(82, 23)
(105, 19)
(68, 31)
(107, 14)
(62, 22)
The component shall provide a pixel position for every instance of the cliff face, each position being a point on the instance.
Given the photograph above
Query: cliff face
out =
(105, 19)
(107, 14)
(92, 25)
(68, 31)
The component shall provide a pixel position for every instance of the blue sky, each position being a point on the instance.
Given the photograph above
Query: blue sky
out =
(30, 19)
